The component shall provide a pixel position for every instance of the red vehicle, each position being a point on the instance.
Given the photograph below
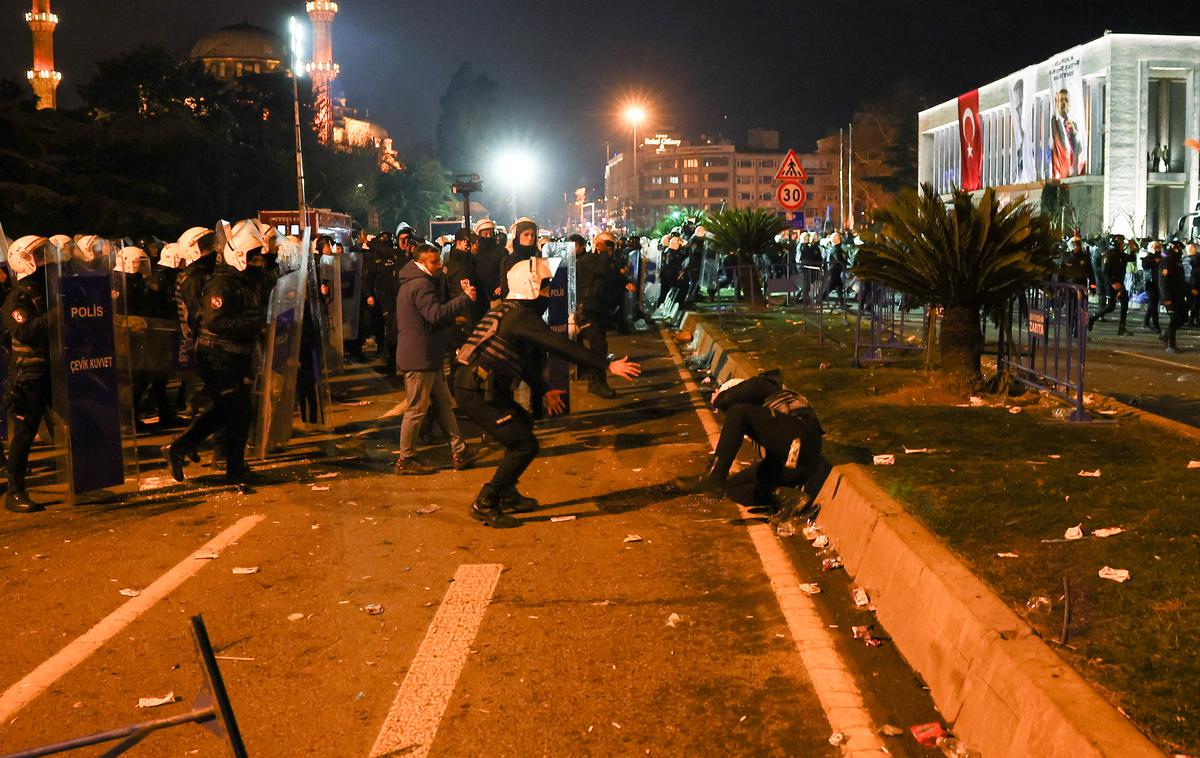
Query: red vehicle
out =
(338, 226)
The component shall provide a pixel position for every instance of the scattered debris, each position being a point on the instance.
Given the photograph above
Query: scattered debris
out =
(373, 609)
(927, 734)
(295, 617)
(246, 569)
(821, 542)
(603, 602)
(316, 488)
(1107, 531)
(232, 658)
(129, 592)
(864, 633)
(837, 738)
(975, 401)
(887, 730)
(633, 538)
(1055, 457)
(560, 519)
(1193, 464)
(428, 509)
(1093, 474)
(154, 702)
(861, 598)
(811, 532)
(810, 588)
(673, 619)
(1015, 409)
(829, 564)
(1074, 533)
(1007, 555)
(209, 556)
(884, 460)
(1039, 603)
(330, 475)
(917, 450)
(823, 367)
(1114, 575)
(786, 529)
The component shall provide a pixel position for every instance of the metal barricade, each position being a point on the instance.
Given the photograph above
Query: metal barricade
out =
(1049, 351)
(890, 324)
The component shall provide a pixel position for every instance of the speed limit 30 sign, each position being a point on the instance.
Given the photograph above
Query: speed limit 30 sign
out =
(790, 196)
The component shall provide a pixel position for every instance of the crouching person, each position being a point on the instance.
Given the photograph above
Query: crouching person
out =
(785, 428)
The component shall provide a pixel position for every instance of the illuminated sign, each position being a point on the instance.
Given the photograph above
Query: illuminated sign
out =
(662, 142)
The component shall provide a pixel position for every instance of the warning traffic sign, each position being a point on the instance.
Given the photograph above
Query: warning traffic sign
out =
(791, 169)
(790, 196)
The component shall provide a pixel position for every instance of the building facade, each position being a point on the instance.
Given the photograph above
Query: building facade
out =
(708, 174)
(238, 50)
(1107, 120)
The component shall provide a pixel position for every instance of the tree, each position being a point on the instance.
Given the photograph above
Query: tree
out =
(676, 215)
(885, 141)
(967, 259)
(149, 81)
(745, 232)
(467, 119)
(416, 194)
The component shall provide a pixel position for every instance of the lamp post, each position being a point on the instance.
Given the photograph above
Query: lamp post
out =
(635, 115)
(296, 33)
(516, 168)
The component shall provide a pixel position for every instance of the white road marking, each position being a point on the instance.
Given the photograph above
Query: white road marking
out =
(413, 720)
(1164, 361)
(836, 689)
(44, 676)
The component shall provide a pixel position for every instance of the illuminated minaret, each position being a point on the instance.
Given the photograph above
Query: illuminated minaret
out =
(322, 69)
(42, 77)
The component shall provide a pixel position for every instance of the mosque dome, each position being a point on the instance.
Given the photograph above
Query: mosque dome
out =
(241, 48)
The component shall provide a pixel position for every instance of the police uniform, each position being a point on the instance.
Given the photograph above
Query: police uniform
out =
(592, 279)
(189, 289)
(1174, 291)
(383, 285)
(500, 353)
(230, 322)
(1115, 261)
(27, 393)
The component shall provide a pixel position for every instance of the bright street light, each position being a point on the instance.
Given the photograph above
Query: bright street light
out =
(635, 115)
(516, 169)
(296, 32)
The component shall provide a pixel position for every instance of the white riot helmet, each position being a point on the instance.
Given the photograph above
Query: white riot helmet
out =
(169, 256)
(189, 244)
(244, 238)
(835, 239)
(133, 260)
(63, 243)
(89, 247)
(526, 277)
(605, 239)
(485, 224)
(26, 254)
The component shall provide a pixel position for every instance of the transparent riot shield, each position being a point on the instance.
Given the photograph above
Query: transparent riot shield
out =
(332, 303)
(280, 354)
(91, 379)
(352, 268)
(652, 261)
(316, 361)
(633, 275)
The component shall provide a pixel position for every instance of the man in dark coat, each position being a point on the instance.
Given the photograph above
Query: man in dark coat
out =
(487, 265)
(1174, 291)
(593, 281)
(422, 322)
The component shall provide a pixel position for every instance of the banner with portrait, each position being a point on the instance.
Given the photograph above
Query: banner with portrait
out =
(1068, 116)
(1022, 92)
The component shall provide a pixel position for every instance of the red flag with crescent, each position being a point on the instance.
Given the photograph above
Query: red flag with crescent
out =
(970, 141)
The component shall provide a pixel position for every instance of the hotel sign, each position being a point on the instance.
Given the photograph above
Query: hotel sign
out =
(662, 142)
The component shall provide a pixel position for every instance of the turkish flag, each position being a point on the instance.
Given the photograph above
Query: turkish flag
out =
(970, 141)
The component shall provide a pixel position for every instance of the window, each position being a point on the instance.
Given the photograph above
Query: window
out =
(715, 162)
(691, 178)
(656, 180)
(689, 193)
(691, 163)
(766, 179)
(766, 164)
(713, 192)
(673, 180)
(723, 176)
(745, 179)
(809, 181)
(671, 194)
(1166, 124)
(745, 196)
(765, 196)
(745, 164)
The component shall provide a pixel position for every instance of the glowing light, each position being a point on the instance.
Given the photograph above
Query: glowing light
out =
(516, 167)
(635, 115)
(296, 31)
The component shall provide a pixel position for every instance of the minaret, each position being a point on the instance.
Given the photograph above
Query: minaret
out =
(322, 69)
(42, 77)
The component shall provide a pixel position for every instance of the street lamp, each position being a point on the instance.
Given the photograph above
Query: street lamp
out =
(635, 116)
(296, 32)
(516, 168)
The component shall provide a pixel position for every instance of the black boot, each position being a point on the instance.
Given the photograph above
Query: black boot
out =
(515, 501)
(486, 509)
(18, 501)
(709, 483)
(793, 503)
(600, 388)
(175, 460)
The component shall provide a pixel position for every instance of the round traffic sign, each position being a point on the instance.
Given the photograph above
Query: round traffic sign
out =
(790, 196)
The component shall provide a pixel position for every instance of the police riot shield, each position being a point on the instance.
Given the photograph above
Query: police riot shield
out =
(278, 372)
(633, 275)
(94, 426)
(352, 269)
(6, 277)
(559, 316)
(316, 361)
(331, 307)
(651, 262)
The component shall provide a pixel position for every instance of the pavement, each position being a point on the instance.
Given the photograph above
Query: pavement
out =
(644, 624)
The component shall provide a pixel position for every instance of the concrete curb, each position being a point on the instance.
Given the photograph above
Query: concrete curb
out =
(1003, 690)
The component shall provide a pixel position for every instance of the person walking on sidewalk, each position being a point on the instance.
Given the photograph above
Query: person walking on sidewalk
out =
(500, 353)
(422, 325)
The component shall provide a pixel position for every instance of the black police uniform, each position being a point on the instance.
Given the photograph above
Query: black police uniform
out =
(27, 393)
(1115, 261)
(500, 353)
(1150, 265)
(592, 281)
(231, 320)
(1174, 291)
(189, 287)
(383, 287)
(1194, 286)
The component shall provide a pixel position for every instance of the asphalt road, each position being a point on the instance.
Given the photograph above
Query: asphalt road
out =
(644, 625)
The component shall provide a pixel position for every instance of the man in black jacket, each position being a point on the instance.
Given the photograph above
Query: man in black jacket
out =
(1113, 268)
(593, 285)
(422, 321)
(1174, 291)
(232, 319)
(487, 266)
(499, 354)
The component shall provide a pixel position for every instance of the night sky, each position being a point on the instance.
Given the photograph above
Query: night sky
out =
(564, 67)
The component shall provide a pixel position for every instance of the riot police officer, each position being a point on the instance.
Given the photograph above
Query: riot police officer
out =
(1174, 292)
(499, 354)
(1150, 264)
(231, 320)
(381, 285)
(592, 291)
(1113, 283)
(198, 253)
(27, 394)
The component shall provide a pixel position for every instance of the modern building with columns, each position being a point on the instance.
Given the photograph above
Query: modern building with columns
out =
(1131, 101)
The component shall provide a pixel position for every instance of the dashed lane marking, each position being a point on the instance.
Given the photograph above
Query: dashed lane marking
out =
(412, 723)
(44, 676)
(836, 689)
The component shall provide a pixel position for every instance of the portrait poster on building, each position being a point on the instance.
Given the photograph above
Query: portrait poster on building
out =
(970, 141)
(1022, 87)
(1068, 120)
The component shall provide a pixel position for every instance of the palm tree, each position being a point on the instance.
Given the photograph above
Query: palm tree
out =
(416, 194)
(745, 232)
(967, 258)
